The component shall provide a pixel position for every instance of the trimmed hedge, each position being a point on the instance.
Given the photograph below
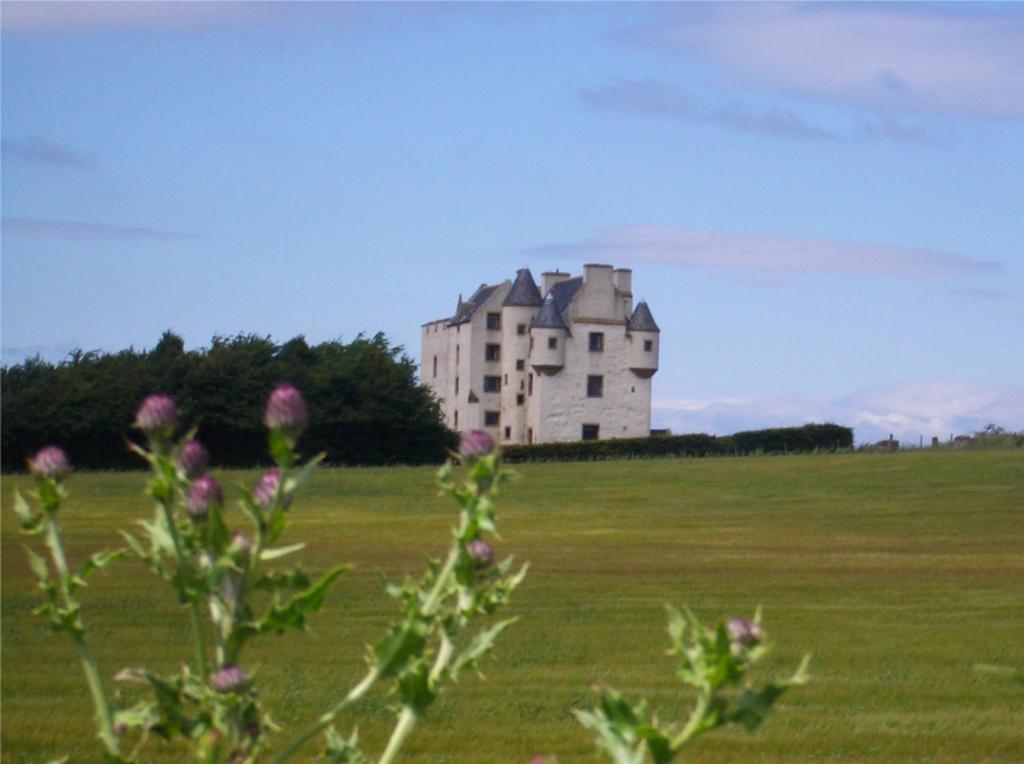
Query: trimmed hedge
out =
(779, 440)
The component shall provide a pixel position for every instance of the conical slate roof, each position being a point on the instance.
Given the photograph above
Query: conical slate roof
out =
(548, 317)
(524, 291)
(642, 320)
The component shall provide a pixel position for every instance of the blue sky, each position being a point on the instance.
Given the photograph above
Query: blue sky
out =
(822, 204)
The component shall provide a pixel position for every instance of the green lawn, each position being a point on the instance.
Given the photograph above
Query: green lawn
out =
(898, 572)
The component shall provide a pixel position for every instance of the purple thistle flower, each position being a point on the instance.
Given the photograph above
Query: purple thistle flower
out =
(266, 489)
(193, 459)
(50, 462)
(475, 444)
(231, 678)
(204, 492)
(480, 552)
(286, 411)
(157, 416)
(743, 632)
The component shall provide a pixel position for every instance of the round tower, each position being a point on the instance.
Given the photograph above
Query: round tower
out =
(548, 334)
(517, 313)
(643, 348)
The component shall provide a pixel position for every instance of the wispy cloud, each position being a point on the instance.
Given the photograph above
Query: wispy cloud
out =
(687, 247)
(900, 57)
(663, 101)
(899, 130)
(908, 411)
(33, 228)
(39, 150)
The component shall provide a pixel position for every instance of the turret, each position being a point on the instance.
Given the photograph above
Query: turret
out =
(517, 311)
(643, 334)
(548, 334)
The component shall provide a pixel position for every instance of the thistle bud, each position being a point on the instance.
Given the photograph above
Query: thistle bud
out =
(193, 459)
(231, 678)
(157, 416)
(266, 489)
(480, 552)
(203, 493)
(475, 444)
(743, 632)
(50, 462)
(240, 546)
(286, 411)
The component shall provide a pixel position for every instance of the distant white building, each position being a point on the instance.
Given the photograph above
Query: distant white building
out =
(569, 361)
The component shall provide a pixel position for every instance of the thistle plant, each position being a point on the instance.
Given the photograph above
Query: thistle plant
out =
(715, 662)
(231, 586)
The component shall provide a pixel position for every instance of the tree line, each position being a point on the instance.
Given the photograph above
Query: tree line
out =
(366, 406)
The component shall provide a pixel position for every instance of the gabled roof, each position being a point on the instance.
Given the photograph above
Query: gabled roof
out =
(524, 291)
(642, 320)
(548, 317)
(466, 308)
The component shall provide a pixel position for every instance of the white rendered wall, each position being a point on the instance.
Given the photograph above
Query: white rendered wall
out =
(623, 411)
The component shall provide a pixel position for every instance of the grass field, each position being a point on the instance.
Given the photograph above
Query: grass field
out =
(899, 572)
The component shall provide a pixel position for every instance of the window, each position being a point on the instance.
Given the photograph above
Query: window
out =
(522, 385)
(508, 433)
(435, 365)
(552, 343)
(506, 379)
(530, 391)
(591, 431)
(520, 399)
(596, 342)
(595, 386)
(531, 344)
(492, 352)
(493, 320)
(456, 385)
(529, 435)
(457, 354)
(492, 384)
(456, 420)
(520, 328)
(648, 346)
(492, 418)
(520, 364)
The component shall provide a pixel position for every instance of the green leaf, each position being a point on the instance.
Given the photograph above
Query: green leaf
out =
(403, 641)
(291, 613)
(272, 554)
(29, 520)
(39, 566)
(481, 644)
(344, 751)
(303, 476)
(414, 686)
(95, 562)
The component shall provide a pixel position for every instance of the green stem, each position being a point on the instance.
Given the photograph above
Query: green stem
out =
(694, 723)
(197, 627)
(406, 722)
(325, 720)
(104, 717)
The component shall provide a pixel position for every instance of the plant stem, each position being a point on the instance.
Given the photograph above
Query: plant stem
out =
(104, 718)
(197, 628)
(406, 722)
(325, 719)
(694, 722)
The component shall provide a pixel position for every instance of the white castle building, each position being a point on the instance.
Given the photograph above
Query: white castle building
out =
(572, 360)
